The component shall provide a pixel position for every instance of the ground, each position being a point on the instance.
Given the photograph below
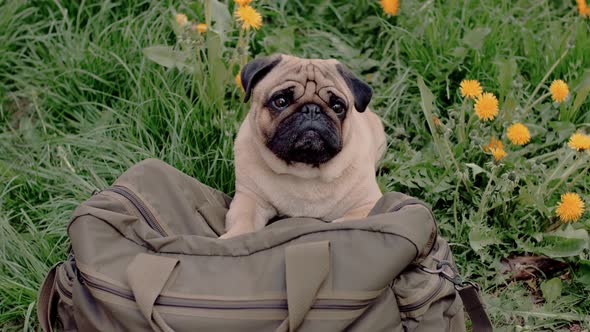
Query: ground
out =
(81, 101)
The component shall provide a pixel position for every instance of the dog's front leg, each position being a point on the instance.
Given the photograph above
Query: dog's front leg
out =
(246, 215)
(356, 213)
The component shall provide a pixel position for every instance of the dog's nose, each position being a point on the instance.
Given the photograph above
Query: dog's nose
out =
(311, 111)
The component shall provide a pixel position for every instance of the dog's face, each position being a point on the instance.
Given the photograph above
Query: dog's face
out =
(301, 105)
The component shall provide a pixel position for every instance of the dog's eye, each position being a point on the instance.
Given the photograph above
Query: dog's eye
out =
(338, 107)
(280, 102)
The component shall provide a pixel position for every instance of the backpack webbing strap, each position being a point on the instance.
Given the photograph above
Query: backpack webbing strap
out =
(307, 267)
(46, 311)
(469, 294)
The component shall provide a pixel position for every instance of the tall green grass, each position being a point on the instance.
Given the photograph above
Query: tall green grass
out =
(80, 103)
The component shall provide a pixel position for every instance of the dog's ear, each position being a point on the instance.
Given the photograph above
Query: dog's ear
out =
(255, 70)
(361, 91)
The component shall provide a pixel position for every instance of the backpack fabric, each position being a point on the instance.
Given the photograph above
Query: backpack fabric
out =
(146, 256)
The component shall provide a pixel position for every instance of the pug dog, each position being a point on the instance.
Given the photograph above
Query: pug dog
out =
(308, 147)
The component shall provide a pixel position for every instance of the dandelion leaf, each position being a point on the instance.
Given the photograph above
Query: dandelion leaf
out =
(444, 184)
(582, 274)
(341, 46)
(476, 37)
(581, 91)
(480, 237)
(564, 243)
(564, 129)
(509, 103)
(506, 69)
(459, 52)
(165, 56)
(282, 40)
(427, 103)
(551, 289)
(218, 73)
(221, 19)
(476, 169)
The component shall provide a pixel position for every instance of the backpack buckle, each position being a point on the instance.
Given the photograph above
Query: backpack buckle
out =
(455, 278)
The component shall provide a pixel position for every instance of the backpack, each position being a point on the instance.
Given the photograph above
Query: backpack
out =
(146, 256)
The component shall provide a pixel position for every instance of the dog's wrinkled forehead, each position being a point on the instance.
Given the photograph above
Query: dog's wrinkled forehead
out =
(307, 77)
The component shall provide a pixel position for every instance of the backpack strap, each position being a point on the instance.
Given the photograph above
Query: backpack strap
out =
(469, 293)
(147, 275)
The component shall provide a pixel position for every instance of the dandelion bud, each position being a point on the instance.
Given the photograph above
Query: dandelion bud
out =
(512, 176)
(181, 19)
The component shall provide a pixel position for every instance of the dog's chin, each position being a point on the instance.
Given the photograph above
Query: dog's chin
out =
(312, 145)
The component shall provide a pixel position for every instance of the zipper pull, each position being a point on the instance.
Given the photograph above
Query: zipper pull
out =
(455, 278)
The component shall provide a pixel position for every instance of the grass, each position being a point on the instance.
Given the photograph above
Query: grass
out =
(80, 103)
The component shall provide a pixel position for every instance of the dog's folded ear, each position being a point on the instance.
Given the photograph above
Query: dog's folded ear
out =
(255, 70)
(361, 91)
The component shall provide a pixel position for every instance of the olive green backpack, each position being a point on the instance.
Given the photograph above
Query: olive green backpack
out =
(146, 256)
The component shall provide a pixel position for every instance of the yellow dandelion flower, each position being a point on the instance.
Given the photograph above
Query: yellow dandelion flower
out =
(202, 27)
(243, 2)
(486, 106)
(498, 153)
(181, 19)
(470, 88)
(582, 7)
(518, 134)
(494, 144)
(390, 6)
(579, 141)
(249, 17)
(559, 90)
(570, 208)
(239, 80)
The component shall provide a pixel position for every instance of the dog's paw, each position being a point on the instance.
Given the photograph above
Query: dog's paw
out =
(341, 219)
(226, 236)
(357, 213)
(236, 231)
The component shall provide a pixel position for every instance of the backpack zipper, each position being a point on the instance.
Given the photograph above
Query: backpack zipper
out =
(144, 211)
(63, 288)
(427, 298)
(420, 303)
(327, 304)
